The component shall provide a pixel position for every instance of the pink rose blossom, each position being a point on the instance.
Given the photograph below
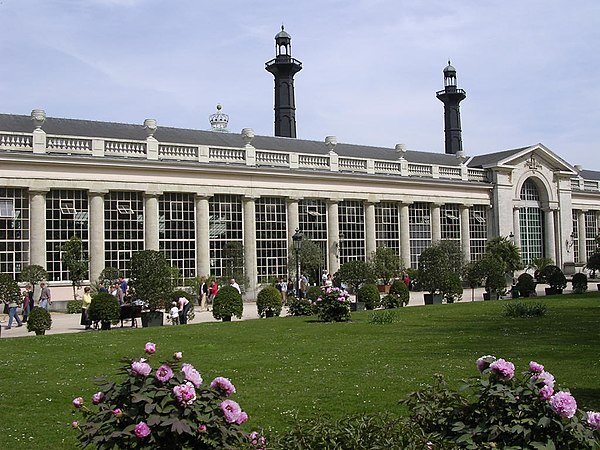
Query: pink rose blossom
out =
(78, 402)
(535, 367)
(593, 419)
(504, 368)
(546, 392)
(141, 430)
(164, 373)
(150, 347)
(564, 404)
(231, 410)
(98, 397)
(242, 418)
(177, 355)
(191, 374)
(484, 362)
(140, 367)
(185, 393)
(202, 428)
(117, 412)
(75, 424)
(223, 384)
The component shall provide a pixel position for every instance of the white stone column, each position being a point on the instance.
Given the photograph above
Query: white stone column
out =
(404, 235)
(517, 225)
(250, 244)
(96, 252)
(333, 236)
(581, 235)
(37, 228)
(151, 221)
(202, 236)
(370, 241)
(293, 220)
(550, 235)
(436, 223)
(465, 232)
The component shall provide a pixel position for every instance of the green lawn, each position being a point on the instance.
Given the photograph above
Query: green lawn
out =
(287, 366)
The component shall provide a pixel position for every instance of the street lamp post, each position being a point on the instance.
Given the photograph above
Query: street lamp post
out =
(297, 239)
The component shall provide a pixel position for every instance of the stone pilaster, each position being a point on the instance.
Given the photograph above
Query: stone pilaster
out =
(293, 219)
(37, 227)
(202, 236)
(581, 235)
(436, 223)
(371, 243)
(550, 235)
(465, 232)
(96, 252)
(151, 221)
(333, 236)
(517, 225)
(250, 243)
(404, 235)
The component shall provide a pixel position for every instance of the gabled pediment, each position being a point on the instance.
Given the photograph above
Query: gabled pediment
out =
(533, 157)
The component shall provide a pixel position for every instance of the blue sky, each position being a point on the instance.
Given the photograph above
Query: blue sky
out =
(370, 67)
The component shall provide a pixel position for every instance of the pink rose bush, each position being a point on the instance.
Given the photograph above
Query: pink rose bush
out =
(505, 408)
(333, 305)
(164, 405)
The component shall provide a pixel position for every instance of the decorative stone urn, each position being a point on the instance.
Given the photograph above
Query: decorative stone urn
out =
(150, 126)
(330, 142)
(247, 136)
(38, 116)
(400, 150)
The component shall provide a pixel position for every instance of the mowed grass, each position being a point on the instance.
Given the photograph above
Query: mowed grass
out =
(285, 367)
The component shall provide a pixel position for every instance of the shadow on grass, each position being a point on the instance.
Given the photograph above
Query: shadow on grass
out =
(587, 399)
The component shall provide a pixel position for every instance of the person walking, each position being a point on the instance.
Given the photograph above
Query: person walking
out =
(203, 294)
(27, 302)
(12, 313)
(184, 308)
(233, 284)
(86, 301)
(212, 293)
(45, 296)
(174, 313)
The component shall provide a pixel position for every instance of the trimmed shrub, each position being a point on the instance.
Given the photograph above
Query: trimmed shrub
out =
(580, 283)
(369, 295)
(228, 302)
(313, 293)
(398, 296)
(104, 308)
(74, 307)
(269, 299)
(520, 309)
(39, 320)
(525, 284)
(333, 305)
(554, 277)
(299, 306)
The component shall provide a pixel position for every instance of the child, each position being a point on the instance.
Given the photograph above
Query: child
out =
(174, 313)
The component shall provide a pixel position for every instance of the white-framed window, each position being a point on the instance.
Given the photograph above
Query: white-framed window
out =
(387, 225)
(225, 227)
(271, 238)
(419, 226)
(7, 208)
(177, 231)
(352, 231)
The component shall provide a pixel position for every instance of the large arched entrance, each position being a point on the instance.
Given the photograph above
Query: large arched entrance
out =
(531, 222)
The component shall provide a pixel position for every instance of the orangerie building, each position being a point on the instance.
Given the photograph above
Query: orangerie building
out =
(126, 187)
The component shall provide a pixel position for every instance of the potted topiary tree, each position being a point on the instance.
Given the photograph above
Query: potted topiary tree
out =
(525, 285)
(369, 295)
(39, 320)
(385, 264)
(538, 265)
(555, 278)
(355, 273)
(228, 302)
(593, 264)
(579, 282)
(150, 282)
(104, 309)
(436, 264)
(493, 271)
(269, 302)
(73, 258)
(454, 290)
(398, 296)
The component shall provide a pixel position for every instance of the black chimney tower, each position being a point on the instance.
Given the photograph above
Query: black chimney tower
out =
(283, 68)
(451, 96)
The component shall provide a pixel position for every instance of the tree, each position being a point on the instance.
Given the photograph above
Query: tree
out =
(9, 289)
(593, 263)
(355, 273)
(73, 259)
(233, 258)
(311, 259)
(386, 264)
(150, 278)
(506, 251)
(33, 274)
(437, 263)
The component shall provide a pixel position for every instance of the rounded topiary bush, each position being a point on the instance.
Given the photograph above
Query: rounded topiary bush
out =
(369, 295)
(525, 284)
(313, 293)
(181, 293)
(580, 283)
(104, 308)
(39, 320)
(227, 303)
(74, 307)
(399, 296)
(299, 306)
(269, 302)
(554, 277)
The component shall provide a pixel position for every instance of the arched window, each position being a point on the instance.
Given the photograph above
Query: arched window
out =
(531, 220)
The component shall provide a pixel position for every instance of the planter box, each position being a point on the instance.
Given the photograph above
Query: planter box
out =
(553, 291)
(384, 288)
(433, 299)
(490, 296)
(515, 293)
(357, 306)
(152, 319)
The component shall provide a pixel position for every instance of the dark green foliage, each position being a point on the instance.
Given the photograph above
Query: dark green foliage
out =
(177, 294)
(299, 306)
(9, 289)
(313, 293)
(493, 272)
(369, 295)
(228, 303)
(355, 273)
(33, 274)
(362, 431)
(493, 412)
(593, 263)
(333, 305)
(73, 258)
(399, 296)
(385, 264)
(311, 258)
(74, 307)
(580, 283)
(269, 299)
(436, 266)
(455, 289)
(109, 276)
(39, 320)
(522, 309)
(233, 255)
(104, 308)
(506, 251)
(525, 284)
(150, 278)
(554, 277)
